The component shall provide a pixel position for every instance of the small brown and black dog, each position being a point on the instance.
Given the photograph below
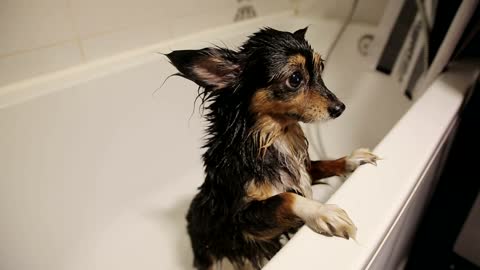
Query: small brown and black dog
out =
(258, 171)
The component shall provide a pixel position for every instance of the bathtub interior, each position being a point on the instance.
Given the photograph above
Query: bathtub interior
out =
(100, 174)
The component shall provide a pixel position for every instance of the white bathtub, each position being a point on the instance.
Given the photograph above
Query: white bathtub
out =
(97, 170)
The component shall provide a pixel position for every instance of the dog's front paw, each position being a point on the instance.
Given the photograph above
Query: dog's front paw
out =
(359, 157)
(330, 220)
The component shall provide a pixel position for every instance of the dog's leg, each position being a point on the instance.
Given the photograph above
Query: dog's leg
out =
(268, 218)
(342, 166)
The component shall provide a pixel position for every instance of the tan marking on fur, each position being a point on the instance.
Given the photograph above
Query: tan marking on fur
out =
(293, 149)
(285, 214)
(264, 133)
(297, 60)
(309, 104)
(318, 63)
(273, 127)
(269, 129)
(326, 168)
(285, 219)
(261, 191)
(292, 142)
(273, 124)
(326, 219)
(295, 139)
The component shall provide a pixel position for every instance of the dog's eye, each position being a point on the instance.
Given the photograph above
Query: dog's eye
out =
(295, 80)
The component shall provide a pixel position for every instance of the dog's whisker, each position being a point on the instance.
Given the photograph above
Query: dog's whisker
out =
(164, 81)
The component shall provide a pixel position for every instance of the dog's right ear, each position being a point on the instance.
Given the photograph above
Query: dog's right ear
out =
(300, 33)
(213, 68)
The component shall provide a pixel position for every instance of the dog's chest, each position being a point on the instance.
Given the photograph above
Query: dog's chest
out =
(294, 176)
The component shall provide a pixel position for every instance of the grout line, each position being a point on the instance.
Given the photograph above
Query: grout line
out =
(46, 46)
(82, 50)
(75, 31)
(57, 43)
(77, 39)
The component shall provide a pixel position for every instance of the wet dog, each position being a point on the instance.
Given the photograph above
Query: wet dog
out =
(258, 172)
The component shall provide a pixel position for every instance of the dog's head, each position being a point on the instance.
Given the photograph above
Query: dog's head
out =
(279, 70)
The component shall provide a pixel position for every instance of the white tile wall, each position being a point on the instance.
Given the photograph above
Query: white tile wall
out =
(199, 18)
(40, 36)
(367, 11)
(97, 16)
(266, 7)
(30, 24)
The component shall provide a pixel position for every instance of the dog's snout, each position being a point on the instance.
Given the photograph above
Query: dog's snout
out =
(336, 109)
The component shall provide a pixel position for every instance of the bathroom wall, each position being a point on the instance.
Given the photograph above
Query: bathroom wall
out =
(42, 36)
(367, 11)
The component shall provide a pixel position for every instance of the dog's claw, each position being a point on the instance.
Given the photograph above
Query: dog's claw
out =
(360, 157)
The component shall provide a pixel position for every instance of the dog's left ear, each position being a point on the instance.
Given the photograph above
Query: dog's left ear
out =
(300, 33)
(213, 68)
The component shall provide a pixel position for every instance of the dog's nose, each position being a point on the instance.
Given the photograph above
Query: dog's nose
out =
(336, 109)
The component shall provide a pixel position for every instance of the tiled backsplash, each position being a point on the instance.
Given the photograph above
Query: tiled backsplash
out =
(42, 36)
